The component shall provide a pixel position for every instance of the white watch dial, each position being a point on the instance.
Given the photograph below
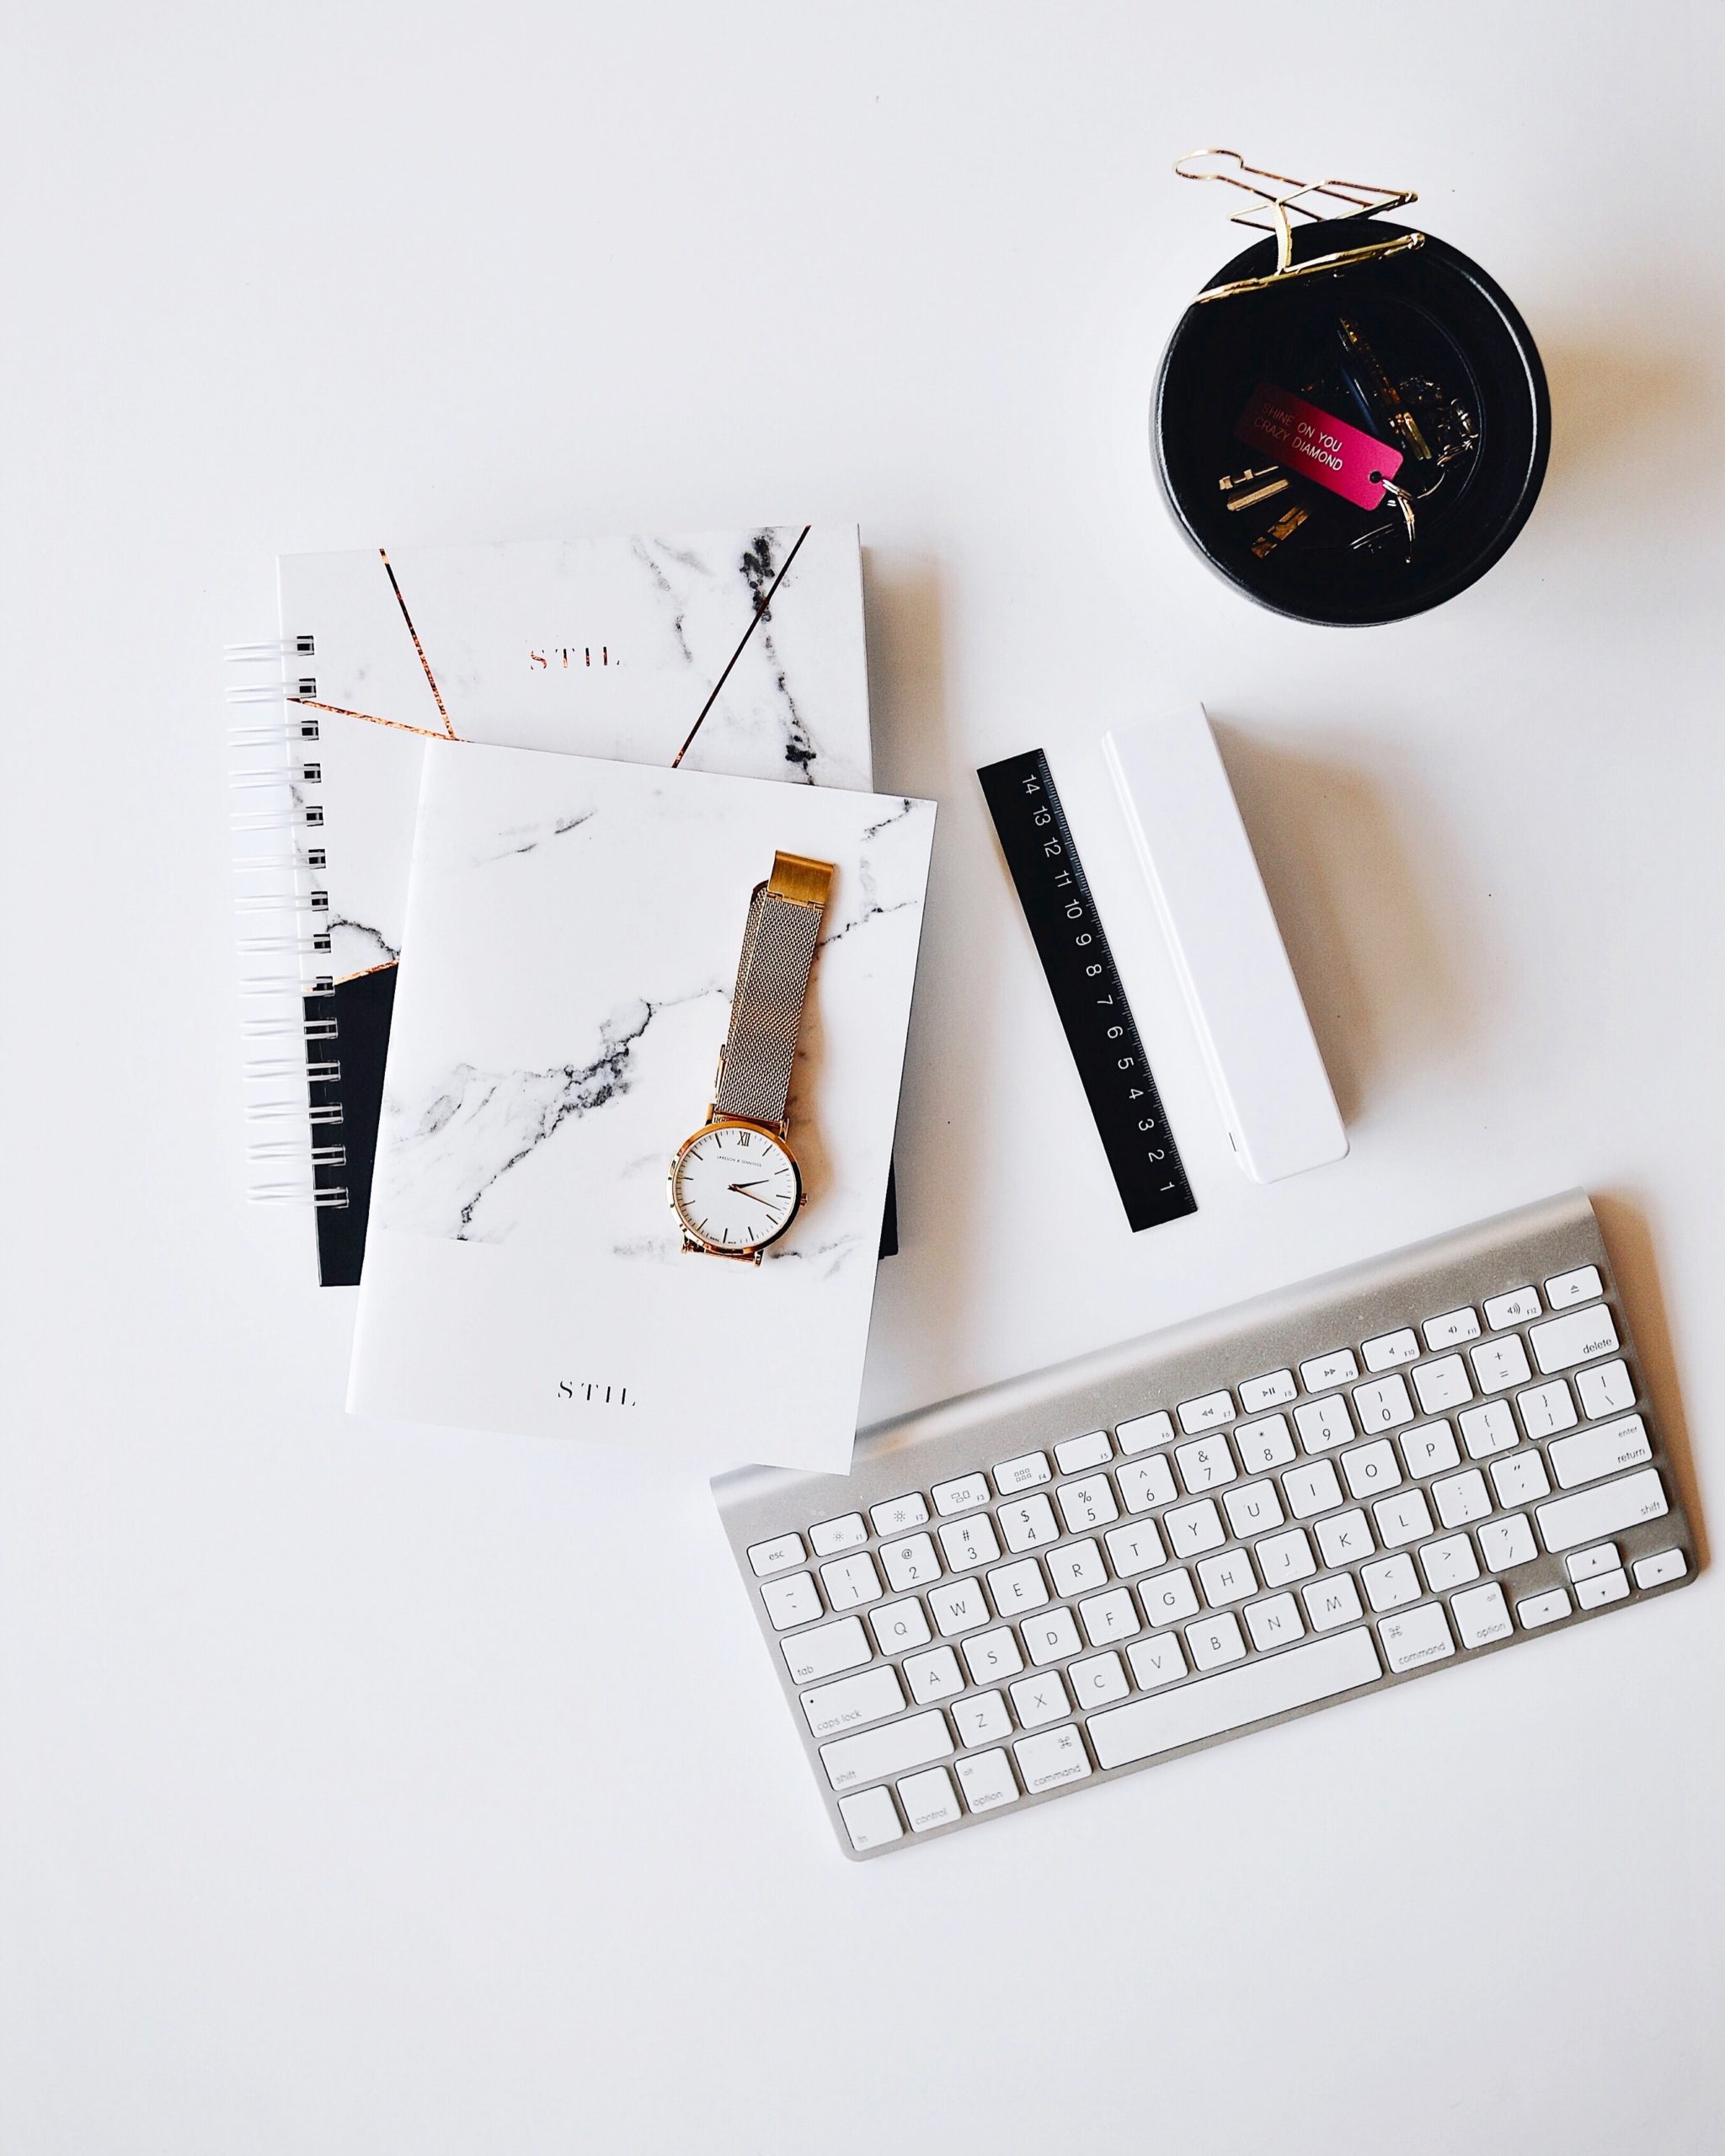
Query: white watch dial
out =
(735, 1188)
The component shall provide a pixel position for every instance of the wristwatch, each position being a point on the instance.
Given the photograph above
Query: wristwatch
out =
(735, 1186)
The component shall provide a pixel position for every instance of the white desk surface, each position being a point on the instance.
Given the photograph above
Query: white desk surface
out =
(371, 1788)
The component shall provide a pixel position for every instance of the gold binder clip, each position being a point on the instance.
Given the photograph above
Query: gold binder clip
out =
(1277, 199)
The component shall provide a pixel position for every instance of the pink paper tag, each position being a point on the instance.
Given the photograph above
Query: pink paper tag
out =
(1320, 446)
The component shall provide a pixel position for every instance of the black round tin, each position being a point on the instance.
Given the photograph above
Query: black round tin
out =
(1446, 345)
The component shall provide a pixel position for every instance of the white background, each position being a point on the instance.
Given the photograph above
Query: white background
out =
(377, 1789)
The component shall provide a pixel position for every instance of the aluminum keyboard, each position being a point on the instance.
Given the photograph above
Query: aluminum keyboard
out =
(1042, 1586)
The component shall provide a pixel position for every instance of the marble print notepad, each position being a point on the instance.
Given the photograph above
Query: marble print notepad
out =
(749, 639)
(572, 934)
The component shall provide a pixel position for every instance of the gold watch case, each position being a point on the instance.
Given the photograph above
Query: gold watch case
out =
(693, 1239)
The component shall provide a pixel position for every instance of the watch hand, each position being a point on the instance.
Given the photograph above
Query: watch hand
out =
(755, 1185)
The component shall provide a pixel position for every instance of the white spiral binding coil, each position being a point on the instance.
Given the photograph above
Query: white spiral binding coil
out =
(283, 914)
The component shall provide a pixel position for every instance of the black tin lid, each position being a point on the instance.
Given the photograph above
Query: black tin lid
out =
(1447, 346)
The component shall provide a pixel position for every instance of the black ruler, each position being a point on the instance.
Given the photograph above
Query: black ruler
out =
(1085, 982)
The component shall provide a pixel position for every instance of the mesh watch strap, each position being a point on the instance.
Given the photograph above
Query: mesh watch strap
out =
(773, 983)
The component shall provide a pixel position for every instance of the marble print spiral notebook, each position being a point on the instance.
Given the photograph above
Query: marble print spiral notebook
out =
(573, 930)
(745, 645)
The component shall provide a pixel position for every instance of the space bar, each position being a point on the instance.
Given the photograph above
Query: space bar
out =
(1340, 1663)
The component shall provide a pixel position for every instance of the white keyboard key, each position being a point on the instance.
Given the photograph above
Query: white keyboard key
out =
(898, 1626)
(1603, 1587)
(1330, 1602)
(1312, 1488)
(958, 1607)
(929, 1799)
(1191, 1529)
(1012, 1475)
(1275, 1623)
(1266, 1443)
(1401, 1519)
(1390, 1350)
(1319, 1670)
(1111, 1616)
(986, 1778)
(1019, 1588)
(1580, 1286)
(1582, 1564)
(1146, 1482)
(1284, 1558)
(993, 1657)
(965, 1544)
(1654, 1571)
(1449, 1564)
(1392, 1583)
(1077, 1453)
(1324, 1372)
(1040, 1699)
(1050, 1637)
(1213, 1641)
(1169, 1597)
(1607, 1509)
(1344, 1538)
(1028, 1522)
(870, 1818)
(791, 1601)
(933, 1676)
(1606, 1450)
(1206, 1465)
(1499, 1363)
(775, 1556)
(1562, 1342)
(1324, 1423)
(869, 1696)
(1415, 1637)
(1520, 1304)
(1253, 1509)
(1227, 1578)
(898, 1515)
(1088, 1503)
(909, 1564)
(851, 1580)
(1546, 1409)
(1278, 1390)
(1156, 1661)
(1074, 1568)
(1505, 1544)
(875, 1755)
(982, 1719)
(1605, 1389)
(1520, 1479)
(1429, 1451)
(1144, 1431)
(827, 1649)
(1135, 1549)
(1452, 1330)
(1204, 1414)
(1371, 1469)
(1383, 1405)
(1543, 1608)
(1481, 1615)
(1488, 1429)
(965, 1496)
(1442, 1384)
(832, 1537)
(1056, 1756)
(1099, 1681)
(1461, 1499)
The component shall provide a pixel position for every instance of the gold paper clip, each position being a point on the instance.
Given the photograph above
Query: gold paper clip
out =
(1277, 199)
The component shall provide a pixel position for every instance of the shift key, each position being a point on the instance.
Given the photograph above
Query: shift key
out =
(874, 1754)
(1596, 1515)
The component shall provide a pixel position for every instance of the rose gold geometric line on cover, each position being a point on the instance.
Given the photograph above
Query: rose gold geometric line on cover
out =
(761, 608)
(431, 679)
(370, 717)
